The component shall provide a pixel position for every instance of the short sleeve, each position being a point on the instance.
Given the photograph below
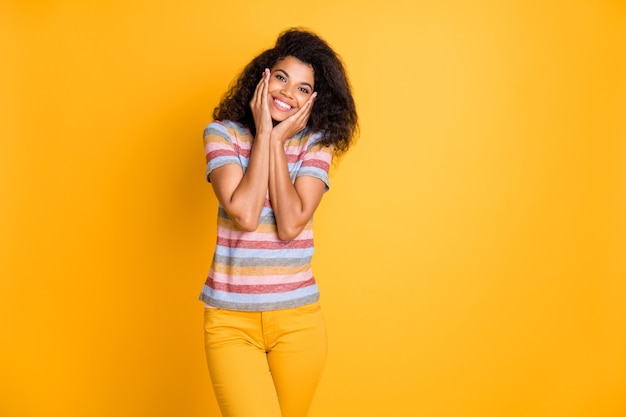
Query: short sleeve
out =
(219, 148)
(316, 162)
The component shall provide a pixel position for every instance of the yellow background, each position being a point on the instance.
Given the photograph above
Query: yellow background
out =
(471, 251)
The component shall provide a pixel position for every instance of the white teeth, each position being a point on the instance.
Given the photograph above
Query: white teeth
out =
(283, 105)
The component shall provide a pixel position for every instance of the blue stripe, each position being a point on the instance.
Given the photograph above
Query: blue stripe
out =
(244, 161)
(264, 253)
(316, 173)
(217, 130)
(223, 160)
(292, 167)
(219, 162)
(259, 298)
(267, 212)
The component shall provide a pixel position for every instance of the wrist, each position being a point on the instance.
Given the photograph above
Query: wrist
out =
(277, 140)
(262, 135)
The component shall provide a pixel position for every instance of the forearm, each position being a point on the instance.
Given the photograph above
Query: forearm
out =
(247, 199)
(243, 195)
(286, 203)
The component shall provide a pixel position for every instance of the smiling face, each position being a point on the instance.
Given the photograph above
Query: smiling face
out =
(291, 85)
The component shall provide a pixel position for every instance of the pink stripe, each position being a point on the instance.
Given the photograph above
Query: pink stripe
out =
(292, 158)
(245, 152)
(259, 289)
(255, 244)
(259, 237)
(221, 278)
(235, 148)
(315, 163)
(218, 153)
(322, 155)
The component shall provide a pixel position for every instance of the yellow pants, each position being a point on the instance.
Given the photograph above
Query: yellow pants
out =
(265, 364)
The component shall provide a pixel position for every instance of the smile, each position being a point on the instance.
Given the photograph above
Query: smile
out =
(282, 104)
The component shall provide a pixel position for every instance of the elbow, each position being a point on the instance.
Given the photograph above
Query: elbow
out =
(247, 227)
(246, 224)
(285, 234)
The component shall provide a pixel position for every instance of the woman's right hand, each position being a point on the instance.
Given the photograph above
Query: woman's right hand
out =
(260, 106)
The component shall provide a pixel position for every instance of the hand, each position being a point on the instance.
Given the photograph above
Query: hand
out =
(260, 107)
(294, 123)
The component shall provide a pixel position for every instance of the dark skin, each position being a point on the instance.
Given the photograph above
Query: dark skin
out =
(281, 106)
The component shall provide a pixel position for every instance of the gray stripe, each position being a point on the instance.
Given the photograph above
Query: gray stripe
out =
(230, 261)
(217, 131)
(267, 220)
(212, 165)
(263, 306)
(315, 173)
(221, 212)
(239, 129)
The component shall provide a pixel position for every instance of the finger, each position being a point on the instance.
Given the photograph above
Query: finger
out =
(255, 95)
(305, 111)
(258, 92)
(265, 89)
(308, 106)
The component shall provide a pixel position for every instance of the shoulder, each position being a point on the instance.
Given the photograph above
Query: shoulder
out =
(226, 129)
(307, 137)
(314, 141)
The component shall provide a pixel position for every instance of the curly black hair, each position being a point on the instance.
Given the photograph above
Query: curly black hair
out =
(334, 111)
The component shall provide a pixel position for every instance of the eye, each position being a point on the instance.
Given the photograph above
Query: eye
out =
(304, 90)
(281, 78)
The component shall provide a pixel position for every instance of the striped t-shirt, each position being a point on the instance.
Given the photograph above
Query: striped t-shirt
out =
(256, 271)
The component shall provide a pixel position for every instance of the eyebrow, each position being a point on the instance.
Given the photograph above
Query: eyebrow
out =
(302, 83)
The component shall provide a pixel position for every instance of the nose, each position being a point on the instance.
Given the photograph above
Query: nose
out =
(287, 90)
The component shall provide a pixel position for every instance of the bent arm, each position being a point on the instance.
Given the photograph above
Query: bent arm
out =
(293, 203)
(243, 195)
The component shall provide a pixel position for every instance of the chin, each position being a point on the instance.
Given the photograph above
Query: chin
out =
(277, 118)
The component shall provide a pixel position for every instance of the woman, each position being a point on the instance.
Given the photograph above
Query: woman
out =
(268, 153)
